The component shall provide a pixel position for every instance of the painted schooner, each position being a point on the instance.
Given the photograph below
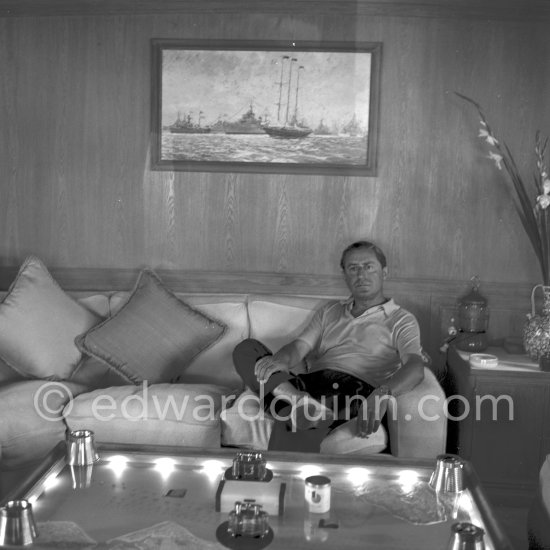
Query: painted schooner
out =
(289, 127)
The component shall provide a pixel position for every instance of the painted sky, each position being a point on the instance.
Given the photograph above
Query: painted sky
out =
(223, 83)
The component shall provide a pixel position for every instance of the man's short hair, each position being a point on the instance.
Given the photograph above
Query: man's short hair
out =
(380, 256)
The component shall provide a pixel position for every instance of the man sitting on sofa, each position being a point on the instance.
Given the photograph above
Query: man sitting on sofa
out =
(359, 352)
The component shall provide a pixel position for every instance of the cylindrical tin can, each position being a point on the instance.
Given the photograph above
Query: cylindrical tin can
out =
(466, 536)
(317, 494)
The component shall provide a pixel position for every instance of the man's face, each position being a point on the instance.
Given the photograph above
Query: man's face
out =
(364, 274)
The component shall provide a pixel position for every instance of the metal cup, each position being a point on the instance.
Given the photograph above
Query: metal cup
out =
(81, 449)
(466, 536)
(17, 527)
(448, 474)
(81, 476)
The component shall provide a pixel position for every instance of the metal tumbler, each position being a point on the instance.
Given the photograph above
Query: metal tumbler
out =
(17, 527)
(81, 449)
(466, 536)
(448, 474)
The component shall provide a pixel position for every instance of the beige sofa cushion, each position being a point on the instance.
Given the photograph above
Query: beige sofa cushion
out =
(160, 414)
(30, 419)
(245, 425)
(344, 441)
(215, 365)
(98, 303)
(9, 375)
(276, 321)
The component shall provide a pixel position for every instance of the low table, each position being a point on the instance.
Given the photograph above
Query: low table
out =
(165, 497)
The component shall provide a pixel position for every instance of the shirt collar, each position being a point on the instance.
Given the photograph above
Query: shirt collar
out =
(387, 307)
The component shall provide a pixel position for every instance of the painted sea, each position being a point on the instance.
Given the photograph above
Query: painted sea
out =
(313, 149)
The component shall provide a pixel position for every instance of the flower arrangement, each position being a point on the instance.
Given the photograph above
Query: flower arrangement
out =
(531, 203)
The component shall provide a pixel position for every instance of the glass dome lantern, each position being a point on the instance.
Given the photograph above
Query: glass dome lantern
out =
(473, 319)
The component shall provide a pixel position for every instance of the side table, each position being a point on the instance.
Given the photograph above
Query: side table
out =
(499, 419)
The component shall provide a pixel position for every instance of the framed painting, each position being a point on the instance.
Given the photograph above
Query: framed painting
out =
(278, 107)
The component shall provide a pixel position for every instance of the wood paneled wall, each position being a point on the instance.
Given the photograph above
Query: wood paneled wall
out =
(77, 190)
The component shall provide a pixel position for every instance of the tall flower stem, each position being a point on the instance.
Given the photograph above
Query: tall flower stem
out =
(531, 209)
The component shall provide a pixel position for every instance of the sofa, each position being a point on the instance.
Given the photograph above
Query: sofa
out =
(151, 366)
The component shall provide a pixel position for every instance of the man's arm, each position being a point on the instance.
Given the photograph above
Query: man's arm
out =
(291, 354)
(407, 343)
(283, 360)
(408, 376)
(375, 407)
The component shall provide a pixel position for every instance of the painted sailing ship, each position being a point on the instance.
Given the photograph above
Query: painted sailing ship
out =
(249, 123)
(290, 127)
(187, 126)
(352, 128)
(322, 129)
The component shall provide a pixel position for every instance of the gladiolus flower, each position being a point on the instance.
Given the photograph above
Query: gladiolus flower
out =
(496, 158)
(546, 186)
(543, 201)
(489, 138)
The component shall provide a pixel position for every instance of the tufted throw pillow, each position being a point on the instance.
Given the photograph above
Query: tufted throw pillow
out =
(153, 337)
(38, 324)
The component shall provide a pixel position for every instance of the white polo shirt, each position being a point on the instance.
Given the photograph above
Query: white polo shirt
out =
(370, 347)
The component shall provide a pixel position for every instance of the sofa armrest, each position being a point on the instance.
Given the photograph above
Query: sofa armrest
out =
(417, 424)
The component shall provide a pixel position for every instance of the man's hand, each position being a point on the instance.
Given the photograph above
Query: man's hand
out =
(266, 366)
(372, 411)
